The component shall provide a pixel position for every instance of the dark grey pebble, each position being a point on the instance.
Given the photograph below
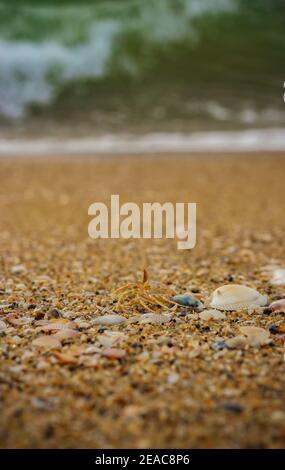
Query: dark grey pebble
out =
(232, 407)
(187, 300)
(218, 345)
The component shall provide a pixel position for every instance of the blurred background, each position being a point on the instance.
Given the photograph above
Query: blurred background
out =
(70, 67)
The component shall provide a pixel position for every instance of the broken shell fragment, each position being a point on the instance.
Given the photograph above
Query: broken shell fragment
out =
(255, 336)
(187, 300)
(237, 297)
(66, 334)
(278, 277)
(237, 342)
(277, 307)
(113, 353)
(47, 342)
(155, 318)
(58, 326)
(109, 320)
(212, 315)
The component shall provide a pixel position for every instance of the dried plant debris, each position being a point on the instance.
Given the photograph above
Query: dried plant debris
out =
(142, 296)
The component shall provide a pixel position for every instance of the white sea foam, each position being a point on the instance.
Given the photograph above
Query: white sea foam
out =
(32, 71)
(209, 142)
(26, 67)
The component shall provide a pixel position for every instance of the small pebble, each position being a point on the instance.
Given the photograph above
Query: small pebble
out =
(18, 269)
(277, 329)
(187, 300)
(232, 407)
(173, 378)
(218, 345)
(54, 313)
(41, 404)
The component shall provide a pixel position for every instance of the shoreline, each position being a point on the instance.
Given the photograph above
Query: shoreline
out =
(253, 140)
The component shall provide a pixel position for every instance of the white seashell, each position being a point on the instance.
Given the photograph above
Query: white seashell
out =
(109, 320)
(205, 315)
(237, 297)
(212, 315)
(255, 336)
(18, 269)
(58, 326)
(155, 318)
(278, 277)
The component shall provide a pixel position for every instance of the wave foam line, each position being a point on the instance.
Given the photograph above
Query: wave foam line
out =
(252, 140)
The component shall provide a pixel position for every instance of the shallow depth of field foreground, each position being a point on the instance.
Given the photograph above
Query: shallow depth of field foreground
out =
(71, 380)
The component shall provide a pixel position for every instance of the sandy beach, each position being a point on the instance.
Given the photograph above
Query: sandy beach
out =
(167, 385)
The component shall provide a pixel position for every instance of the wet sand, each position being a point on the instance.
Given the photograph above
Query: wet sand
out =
(169, 385)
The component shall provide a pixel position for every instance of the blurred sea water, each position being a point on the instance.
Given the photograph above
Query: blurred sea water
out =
(112, 65)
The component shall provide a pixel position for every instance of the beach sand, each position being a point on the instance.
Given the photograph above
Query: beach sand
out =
(170, 385)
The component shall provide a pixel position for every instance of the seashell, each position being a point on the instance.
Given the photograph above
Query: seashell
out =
(65, 358)
(109, 338)
(237, 342)
(57, 326)
(278, 277)
(113, 353)
(3, 326)
(255, 336)
(212, 315)
(237, 297)
(277, 307)
(109, 320)
(46, 342)
(187, 300)
(155, 318)
(65, 334)
(18, 269)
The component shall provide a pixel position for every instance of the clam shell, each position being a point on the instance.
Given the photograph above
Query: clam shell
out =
(237, 297)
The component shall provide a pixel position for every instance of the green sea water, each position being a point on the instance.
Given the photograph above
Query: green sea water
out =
(171, 64)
